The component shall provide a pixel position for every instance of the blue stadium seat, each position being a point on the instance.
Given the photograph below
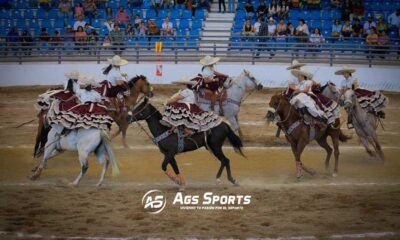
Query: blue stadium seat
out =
(143, 42)
(326, 15)
(184, 24)
(59, 23)
(16, 14)
(4, 14)
(197, 24)
(53, 13)
(240, 14)
(316, 15)
(186, 14)
(21, 23)
(159, 22)
(167, 43)
(199, 14)
(112, 4)
(191, 43)
(46, 24)
(180, 42)
(131, 42)
(137, 12)
(101, 13)
(103, 31)
(29, 14)
(162, 14)
(393, 34)
(34, 23)
(42, 14)
(96, 23)
(194, 33)
(294, 14)
(175, 14)
(181, 32)
(150, 14)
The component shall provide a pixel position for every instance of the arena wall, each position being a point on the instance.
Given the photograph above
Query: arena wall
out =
(271, 75)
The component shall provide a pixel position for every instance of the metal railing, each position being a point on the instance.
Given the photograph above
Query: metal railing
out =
(252, 50)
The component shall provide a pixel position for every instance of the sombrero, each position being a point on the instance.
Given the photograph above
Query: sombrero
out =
(72, 75)
(117, 61)
(297, 72)
(345, 69)
(86, 80)
(208, 60)
(295, 64)
(185, 80)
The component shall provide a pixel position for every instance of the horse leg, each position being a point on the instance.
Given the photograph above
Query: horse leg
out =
(50, 152)
(84, 167)
(182, 183)
(335, 142)
(377, 147)
(225, 162)
(299, 150)
(364, 142)
(324, 144)
(101, 157)
(167, 172)
(299, 173)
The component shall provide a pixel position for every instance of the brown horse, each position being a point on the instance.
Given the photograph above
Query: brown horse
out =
(137, 85)
(298, 134)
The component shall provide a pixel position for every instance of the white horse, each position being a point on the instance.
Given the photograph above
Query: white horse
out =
(84, 141)
(365, 124)
(236, 90)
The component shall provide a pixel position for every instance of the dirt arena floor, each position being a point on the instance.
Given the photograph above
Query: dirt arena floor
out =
(363, 201)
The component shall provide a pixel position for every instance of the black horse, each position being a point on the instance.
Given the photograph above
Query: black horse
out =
(212, 140)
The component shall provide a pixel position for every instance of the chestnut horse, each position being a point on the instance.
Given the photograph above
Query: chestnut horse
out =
(137, 85)
(297, 133)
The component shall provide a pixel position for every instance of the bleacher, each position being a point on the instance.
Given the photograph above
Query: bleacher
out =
(322, 18)
(22, 16)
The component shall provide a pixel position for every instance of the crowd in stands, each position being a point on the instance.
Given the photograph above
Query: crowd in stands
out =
(273, 21)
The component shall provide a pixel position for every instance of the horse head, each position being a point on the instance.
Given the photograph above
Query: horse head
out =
(255, 83)
(349, 99)
(278, 105)
(245, 79)
(140, 83)
(329, 90)
(142, 111)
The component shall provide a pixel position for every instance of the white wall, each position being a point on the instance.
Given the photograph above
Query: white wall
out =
(272, 75)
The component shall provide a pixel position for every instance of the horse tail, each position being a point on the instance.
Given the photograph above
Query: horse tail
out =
(343, 137)
(41, 136)
(107, 143)
(235, 141)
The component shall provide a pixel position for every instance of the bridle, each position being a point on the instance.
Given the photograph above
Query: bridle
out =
(288, 114)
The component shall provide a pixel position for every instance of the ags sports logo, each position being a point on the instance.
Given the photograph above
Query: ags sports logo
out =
(154, 202)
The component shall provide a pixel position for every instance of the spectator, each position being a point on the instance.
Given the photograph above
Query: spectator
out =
(78, 10)
(152, 29)
(64, 7)
(358, 9)
(79, 22)
(316, 38)
(142, 29)
(335, 3)
(138, 20)
(109, 25)
(372, 41)
(156, 4)
(167, 28)
(290, 29)
(346, 9)
(336, 29)
(394, 20)
(271, 27)
(281, 29)
(250, 13)
(283, 12)
(88, 29)
(135, 3)
(257, 25)
(118, 39)
(92, 41)
(13, 40)
(193, 5)
(263, 39)
(69, 39)
(56, 39)
(168, 4)
(221, 2)
(26, 42)
(368, 25)
(262, 10)
(44, 39)
(248, 29)
(381, 26)
(357, 29)
(80, 36)
(205, 4)
(383, 43)
(347, 29)
(107, 42)
(130, 30)
(273, 9)
(90, 9)
(302, 31)
(45, 4)
(295, 4)
(4, 4)
(122, 16)
(109, 13)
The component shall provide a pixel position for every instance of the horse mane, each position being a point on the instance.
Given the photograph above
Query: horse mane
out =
(136, 78)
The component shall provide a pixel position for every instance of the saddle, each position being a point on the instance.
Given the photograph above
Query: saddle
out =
(207, 95)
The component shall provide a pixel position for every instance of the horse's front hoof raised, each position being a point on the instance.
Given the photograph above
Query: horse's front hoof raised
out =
(334, 174)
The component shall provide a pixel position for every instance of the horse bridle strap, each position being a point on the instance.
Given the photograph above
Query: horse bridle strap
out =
(293, 127)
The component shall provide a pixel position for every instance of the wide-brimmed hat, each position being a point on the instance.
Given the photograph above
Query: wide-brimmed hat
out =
(208, 60)
(86, 80)
(185, 80)
(117, 61)
(295, 64)
(297, 72)
(345, 69)
(72, 75)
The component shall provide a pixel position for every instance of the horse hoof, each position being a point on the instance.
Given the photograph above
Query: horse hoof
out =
(34, 177)
(72, 184)
(334, 174)
(99, 185)
(218, 181)
(34, 169)
(300, 178)
(182, 189)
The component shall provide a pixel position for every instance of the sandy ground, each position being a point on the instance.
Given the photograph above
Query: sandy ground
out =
(363, 199)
